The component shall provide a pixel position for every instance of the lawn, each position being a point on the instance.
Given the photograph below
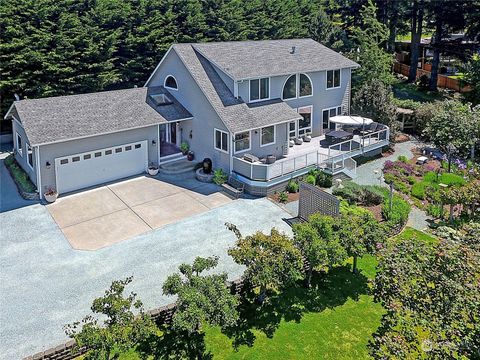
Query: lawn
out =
(404, 92)
(335, 319)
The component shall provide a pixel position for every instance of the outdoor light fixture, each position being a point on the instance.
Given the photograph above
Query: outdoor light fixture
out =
(154, 142)
(47, 164)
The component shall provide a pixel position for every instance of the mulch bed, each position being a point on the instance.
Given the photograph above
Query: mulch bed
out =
(376, 210)
(291, 197)
(400, 138)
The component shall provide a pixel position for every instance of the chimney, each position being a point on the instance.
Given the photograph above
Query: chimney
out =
(293, 50)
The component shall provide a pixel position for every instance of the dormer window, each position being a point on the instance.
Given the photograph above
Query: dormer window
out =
(171, 83)
(259, 89)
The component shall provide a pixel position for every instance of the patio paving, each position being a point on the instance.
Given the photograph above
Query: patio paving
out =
(45, 283)
(96, 218)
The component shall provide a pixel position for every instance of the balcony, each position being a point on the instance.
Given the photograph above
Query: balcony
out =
(333, 158)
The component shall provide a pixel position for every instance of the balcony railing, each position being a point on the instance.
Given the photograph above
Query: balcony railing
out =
(339, 158)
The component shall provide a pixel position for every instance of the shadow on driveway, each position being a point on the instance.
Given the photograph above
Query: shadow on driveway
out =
(10, 198)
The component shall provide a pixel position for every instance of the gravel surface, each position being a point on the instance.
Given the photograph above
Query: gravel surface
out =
(44, 283)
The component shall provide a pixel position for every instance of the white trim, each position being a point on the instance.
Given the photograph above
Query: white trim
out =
(235, 89)
(27, 145)
(340, 79)
(165, 82)
(274, 135)
(8, 111)
(19, 149)
(158, 66)
(290, 73)
(221, 140)
(259, 90)
(39, 172)
(249, 142)
(311, 84)
(277, 123)
(107, 133)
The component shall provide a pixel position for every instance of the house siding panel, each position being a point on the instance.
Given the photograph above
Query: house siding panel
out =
(23, 160)
(198, 133)
(52, 151)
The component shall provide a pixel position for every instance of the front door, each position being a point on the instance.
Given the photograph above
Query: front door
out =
(173, 133)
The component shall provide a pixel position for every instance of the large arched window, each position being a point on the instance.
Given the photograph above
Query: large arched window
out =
(171, 83)
(305, 86)
(290, 88)
(297, 86)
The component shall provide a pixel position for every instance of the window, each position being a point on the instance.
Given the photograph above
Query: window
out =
(108, 152)
(268, 136)
(305, 86)
(19, 144)
(297, 86)
(305, 124)
(171, 83)
(138, 146)
(221, 140)
(87, 157)
(118, 150)
(76, 158)
(242, 141)
(292, 129)
(333, 79)
(259, 89)
(30, 155)
(328, 113)
(63, 161)
(290, 88)
(98, 154)
(128, 148)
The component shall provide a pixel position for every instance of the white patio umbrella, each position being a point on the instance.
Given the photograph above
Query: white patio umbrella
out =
(350, 120)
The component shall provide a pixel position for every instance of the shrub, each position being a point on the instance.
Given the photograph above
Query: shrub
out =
(411, 180)
(20, 176)
(360, 194)
(430, 177)
(418, 190)
(324, 180)
(434, 210)
(292, 186)
(310, 179)
(283, 197)
(451, 179)
(219, 177)
(402, 158)
(400, 186)
(400, 210)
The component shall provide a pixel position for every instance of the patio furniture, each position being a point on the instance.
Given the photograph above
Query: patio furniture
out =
(234, 186)
(270, 159)
(250, 158)
(298, 141)
(370, 128)
(307, 138)
(291, 143)
(338, 136)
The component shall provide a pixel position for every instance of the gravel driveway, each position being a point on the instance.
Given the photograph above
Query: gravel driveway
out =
(44, 283)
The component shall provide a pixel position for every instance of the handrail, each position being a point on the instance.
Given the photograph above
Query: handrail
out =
(362, 142)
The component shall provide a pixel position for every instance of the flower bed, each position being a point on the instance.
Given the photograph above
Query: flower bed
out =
(25, 187)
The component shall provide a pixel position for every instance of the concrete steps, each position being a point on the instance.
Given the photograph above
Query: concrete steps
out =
(177, 167)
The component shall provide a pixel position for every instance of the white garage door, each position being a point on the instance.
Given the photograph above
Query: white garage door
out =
(96, 167)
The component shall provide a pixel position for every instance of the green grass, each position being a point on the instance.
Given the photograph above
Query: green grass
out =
(409, 233)
(408, 36)
(404, 92)
(19, 175)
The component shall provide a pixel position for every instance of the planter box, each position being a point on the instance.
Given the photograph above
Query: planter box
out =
(50, 197)
(152, 171)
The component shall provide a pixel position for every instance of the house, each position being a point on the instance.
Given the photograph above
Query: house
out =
(241, 104)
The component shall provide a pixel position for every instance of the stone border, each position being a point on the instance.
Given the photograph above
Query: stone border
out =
(24, 194)
(161, 315)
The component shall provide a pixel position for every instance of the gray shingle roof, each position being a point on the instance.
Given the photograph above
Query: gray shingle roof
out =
(249, 59)
(235, 113)
(68, 117)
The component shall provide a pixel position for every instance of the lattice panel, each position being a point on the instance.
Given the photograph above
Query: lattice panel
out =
(315, 200)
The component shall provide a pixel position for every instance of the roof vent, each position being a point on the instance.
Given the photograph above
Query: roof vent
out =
(293, 50)
(161, 99)
(17, 98)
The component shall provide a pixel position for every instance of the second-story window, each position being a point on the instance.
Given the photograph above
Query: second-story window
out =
(333, 79)
(171, 83)
(259, 89)
(297, 86)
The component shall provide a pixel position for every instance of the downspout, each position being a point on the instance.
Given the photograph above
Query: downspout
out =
(38, 172)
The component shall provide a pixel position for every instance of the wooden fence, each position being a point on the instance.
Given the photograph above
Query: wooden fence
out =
(442, 81)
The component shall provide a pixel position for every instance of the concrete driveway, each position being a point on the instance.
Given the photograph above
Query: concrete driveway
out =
(45, 283)
(93, 219)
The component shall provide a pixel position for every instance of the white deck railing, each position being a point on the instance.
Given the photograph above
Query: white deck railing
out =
(339, 158)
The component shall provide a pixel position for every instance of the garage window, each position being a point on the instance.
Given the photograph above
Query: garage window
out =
(108, 152)
(87, 157)
(138, 146)
(98, 154)
(118, 150)
(63, 161)
(76, 158)
(128, 148)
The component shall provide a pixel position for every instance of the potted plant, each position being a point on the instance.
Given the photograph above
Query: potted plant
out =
(190, 156)
(152, 169)
(184, 147)
(50, 195)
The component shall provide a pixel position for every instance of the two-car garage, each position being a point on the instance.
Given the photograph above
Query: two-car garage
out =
(91, 168)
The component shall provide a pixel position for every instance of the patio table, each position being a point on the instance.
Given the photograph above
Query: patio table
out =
(337, 136)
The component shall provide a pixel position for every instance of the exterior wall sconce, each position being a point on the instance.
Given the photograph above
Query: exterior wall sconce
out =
(190, 135)
(154, 143)
(48, 165)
